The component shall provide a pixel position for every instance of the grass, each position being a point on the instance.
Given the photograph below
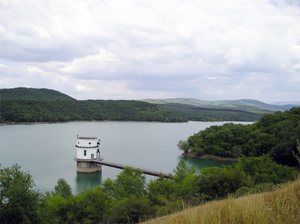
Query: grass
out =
(276, 207)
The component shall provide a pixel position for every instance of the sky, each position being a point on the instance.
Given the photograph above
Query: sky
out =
(137, 49)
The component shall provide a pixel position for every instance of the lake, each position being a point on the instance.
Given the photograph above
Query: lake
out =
(47, 151)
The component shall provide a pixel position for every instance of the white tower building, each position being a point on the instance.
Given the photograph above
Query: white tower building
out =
(87, 154)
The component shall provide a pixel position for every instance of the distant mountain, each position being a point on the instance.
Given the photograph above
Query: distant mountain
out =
(242, 104)
(290, 103)
(261, 105)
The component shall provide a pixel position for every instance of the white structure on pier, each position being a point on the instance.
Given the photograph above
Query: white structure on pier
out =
(87, 153)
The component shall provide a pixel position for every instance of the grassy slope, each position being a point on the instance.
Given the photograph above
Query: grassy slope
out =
(279, 206)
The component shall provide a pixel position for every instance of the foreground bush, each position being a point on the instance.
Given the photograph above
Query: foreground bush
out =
(128, 198)
(19, 202)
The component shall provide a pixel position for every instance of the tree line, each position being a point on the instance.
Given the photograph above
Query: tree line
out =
(197, 113)
(129, 198)
(60, 111)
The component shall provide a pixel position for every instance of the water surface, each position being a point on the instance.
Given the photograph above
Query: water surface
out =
(47, 151)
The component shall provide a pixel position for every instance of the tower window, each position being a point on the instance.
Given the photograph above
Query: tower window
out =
(89, 143)
(84, 152)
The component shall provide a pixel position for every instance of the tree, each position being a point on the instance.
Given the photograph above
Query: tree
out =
(297, 154)
(184, 146)
(130, 182)
(58, 209)
(91, 206)
(217, 182)
(185, 181)
(130, 210)
(62, 188)
(264, 170)
(161, 190)
(128, 197)
(182, 170)
(19, 202)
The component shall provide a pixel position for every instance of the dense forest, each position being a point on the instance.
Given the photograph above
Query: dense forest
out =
(196, 113)
(44, 105)
(129, 198)
(275, 134)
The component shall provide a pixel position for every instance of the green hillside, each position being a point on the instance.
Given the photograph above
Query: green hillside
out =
(31, 94)
(46, 105)
(57, 111)
(197, 113)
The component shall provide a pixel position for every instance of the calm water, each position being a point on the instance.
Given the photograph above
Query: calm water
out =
(47, 151)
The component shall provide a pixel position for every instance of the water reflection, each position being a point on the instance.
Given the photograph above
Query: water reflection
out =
(199, 164)
(87, 180)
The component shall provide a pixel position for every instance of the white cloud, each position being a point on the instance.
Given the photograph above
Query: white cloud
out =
(103, 61)
(140, 49)
(82, 88)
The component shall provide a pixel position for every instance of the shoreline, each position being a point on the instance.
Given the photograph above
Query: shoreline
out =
(60, 122)
(194, 155)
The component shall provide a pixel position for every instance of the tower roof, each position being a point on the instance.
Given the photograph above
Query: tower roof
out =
(82, 137)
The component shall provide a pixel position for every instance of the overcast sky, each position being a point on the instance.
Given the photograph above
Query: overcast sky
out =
(134, 49)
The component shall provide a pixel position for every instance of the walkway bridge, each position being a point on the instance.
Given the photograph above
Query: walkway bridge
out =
(121, 166)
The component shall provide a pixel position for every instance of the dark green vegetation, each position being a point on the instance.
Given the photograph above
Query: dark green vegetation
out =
(128, 198)
(31, 94)
(44, 105)
(196, 113)
(19, 202)
(275, 135)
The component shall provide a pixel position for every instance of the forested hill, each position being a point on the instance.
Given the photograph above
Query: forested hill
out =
(31, 94)
(277, 135)
(45, 105)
